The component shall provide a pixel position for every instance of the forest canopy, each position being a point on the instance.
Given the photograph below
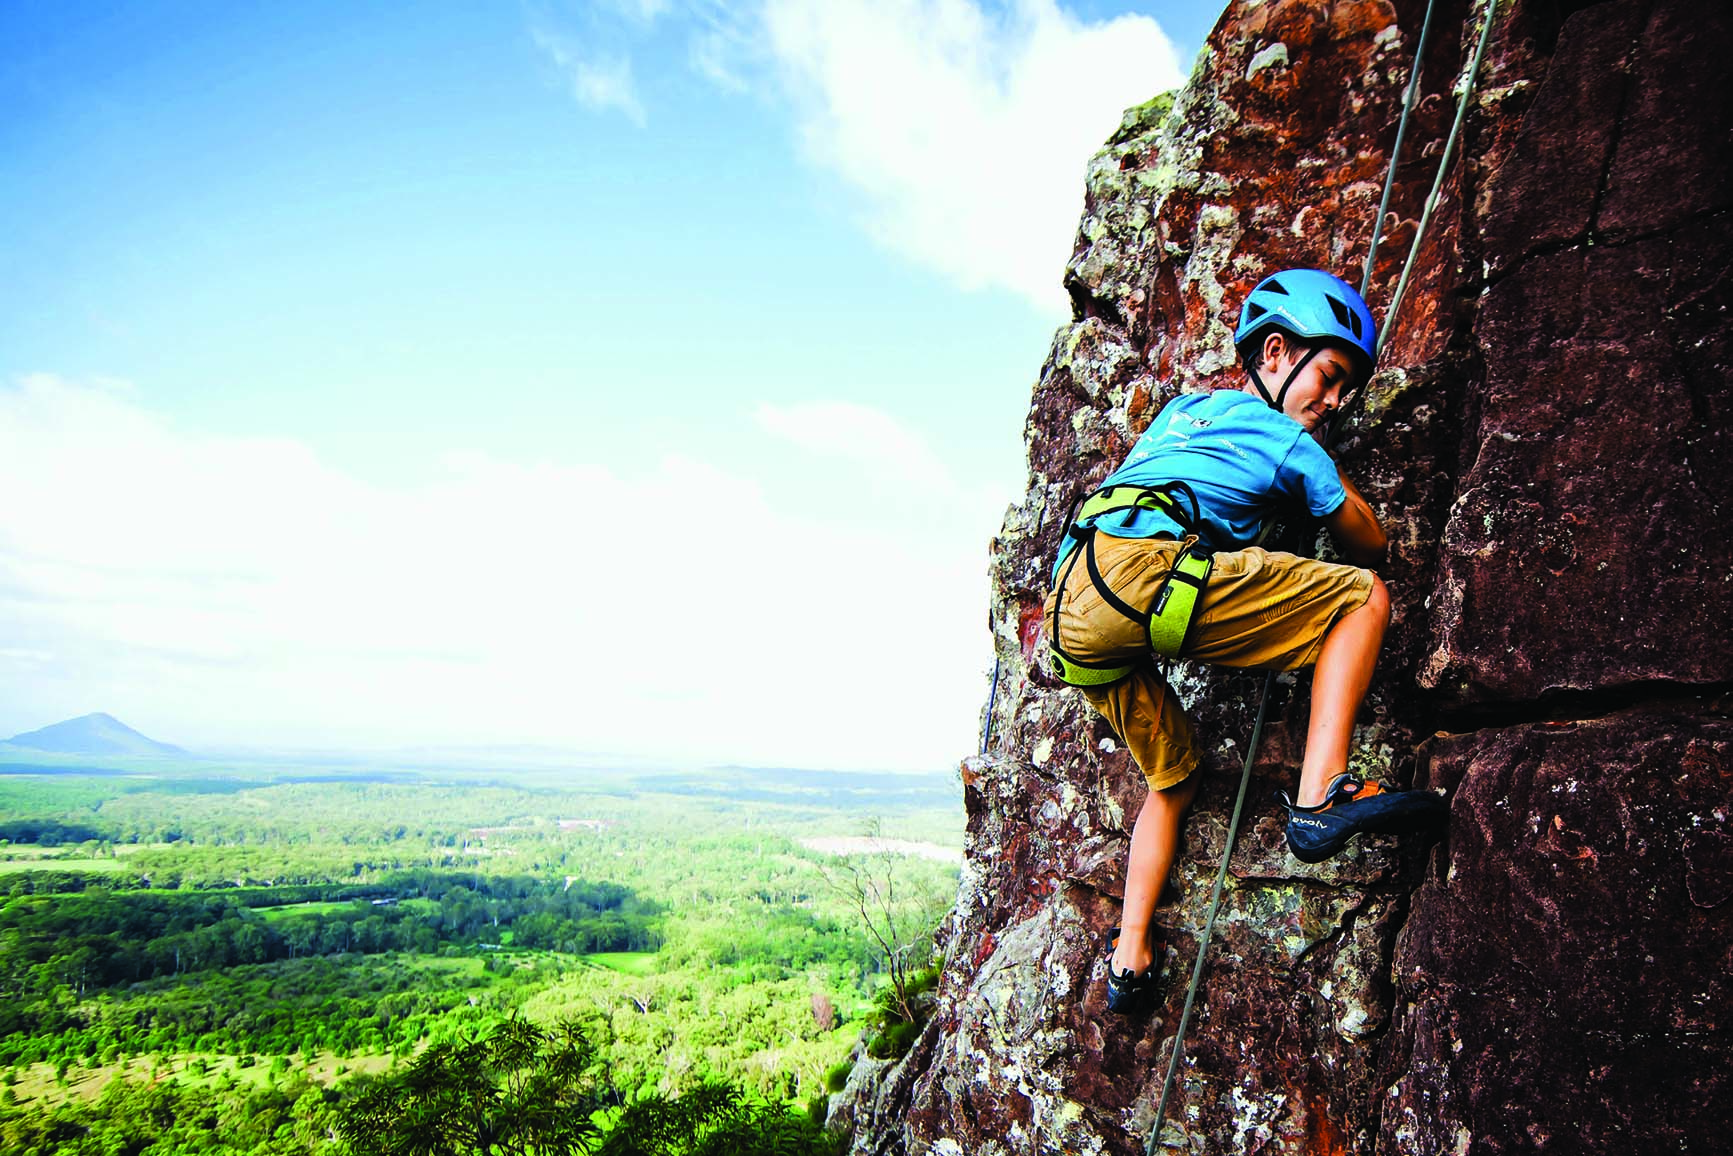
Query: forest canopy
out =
(279, 951)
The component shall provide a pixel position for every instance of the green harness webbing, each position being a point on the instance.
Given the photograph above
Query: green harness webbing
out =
(1168, 619)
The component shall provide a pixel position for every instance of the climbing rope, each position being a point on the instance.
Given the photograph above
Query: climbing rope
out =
(1395, 151)
(992, 697)
(1467, 85)
(1438, 181)
(1215, 903)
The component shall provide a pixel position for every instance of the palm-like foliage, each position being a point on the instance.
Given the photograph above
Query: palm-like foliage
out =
(520, 1090)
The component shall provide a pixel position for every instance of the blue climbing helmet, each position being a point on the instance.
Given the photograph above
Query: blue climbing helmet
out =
(1314, 306)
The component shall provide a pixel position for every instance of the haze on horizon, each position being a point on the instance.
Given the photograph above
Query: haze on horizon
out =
(641, 376)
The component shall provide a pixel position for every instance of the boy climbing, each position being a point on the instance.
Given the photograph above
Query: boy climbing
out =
(1169, 570)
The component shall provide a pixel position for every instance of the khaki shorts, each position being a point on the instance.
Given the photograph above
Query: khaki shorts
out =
(1259, 610)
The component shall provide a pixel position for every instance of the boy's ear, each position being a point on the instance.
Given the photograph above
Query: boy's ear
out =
(1270, 353)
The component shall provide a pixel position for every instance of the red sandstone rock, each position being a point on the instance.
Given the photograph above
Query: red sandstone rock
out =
(1564, 978)
(1548, 446)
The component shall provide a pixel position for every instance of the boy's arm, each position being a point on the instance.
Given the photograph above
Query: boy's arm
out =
(1355, 527)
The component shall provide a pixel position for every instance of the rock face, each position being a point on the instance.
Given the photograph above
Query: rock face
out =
(1548, 445)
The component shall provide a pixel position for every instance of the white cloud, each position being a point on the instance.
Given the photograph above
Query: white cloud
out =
(966, 127)
(241, 590)
(639, 11)
(892, 479)
(884, 448)
(714, 56)
(600, 81)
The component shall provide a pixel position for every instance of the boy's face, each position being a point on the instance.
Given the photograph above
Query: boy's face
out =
(1317, 391)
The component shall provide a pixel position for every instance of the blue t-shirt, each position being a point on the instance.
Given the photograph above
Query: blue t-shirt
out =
(1242, 459)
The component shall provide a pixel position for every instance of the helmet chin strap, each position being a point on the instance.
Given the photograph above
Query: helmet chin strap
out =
(1275, 403)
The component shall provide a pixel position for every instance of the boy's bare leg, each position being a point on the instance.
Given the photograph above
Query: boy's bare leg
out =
(1339, 685)
(1154, 842)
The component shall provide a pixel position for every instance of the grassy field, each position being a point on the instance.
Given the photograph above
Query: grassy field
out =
(12, 862)
(312, 907)
(38, 1083)
(29, 857)
(625, 962)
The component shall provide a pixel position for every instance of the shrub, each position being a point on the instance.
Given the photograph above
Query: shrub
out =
(894, 1033)
(893, 1041)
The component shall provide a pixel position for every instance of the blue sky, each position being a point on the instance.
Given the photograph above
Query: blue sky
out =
(641, 376)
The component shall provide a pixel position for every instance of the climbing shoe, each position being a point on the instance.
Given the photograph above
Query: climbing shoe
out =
(1353, 805)
(1129, 992)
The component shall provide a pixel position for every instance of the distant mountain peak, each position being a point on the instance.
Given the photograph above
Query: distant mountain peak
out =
(99, 733)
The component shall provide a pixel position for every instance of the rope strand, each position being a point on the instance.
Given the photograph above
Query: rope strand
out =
(1438, 181)
(1210, 919)
(1395, 152)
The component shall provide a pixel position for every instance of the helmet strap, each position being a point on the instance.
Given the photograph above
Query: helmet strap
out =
(1263, 391)
(1275, 403)
(1292, 374)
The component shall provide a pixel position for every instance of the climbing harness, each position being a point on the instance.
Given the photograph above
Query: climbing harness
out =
(1168, 619)
(1154, 1138)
